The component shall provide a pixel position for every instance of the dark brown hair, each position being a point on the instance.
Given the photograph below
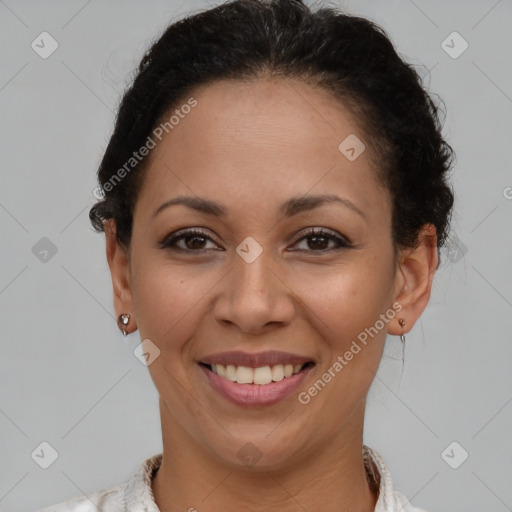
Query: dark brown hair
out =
(349, 56)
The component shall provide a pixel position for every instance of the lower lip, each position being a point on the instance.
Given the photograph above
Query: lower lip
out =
(252, 395)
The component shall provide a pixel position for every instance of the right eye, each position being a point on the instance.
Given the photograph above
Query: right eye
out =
(192, 238)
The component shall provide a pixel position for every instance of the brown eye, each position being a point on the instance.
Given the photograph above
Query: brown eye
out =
(317, 240)
(194, 241)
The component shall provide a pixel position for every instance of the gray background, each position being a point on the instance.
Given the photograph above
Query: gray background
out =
(70, 379)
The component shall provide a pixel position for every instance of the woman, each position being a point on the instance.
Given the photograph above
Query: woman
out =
(275, 199)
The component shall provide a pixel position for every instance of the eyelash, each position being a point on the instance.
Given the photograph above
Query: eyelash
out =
(169, 242)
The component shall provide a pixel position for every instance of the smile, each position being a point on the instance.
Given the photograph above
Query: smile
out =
(260, 376)
(255, 380)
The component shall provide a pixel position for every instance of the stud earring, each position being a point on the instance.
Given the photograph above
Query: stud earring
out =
(123, 321)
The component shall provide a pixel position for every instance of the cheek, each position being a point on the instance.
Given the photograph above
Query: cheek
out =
(345, 300)
(168, 309)
(168, 301)
(345, 311)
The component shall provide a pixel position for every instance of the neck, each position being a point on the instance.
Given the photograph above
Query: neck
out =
(330, 478)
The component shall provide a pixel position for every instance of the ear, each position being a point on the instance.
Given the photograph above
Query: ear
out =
(414, 279)
(119, 263)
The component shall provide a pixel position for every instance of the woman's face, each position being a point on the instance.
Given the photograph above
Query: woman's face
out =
(253, 281)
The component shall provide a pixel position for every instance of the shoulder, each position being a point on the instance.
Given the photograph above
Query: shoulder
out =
(134, 494)
(389, 498)
(403, 504)
(108, 499)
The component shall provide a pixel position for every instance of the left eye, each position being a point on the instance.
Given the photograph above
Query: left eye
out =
(195, 239)
(322, 237)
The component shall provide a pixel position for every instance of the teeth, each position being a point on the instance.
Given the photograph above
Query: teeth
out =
(230, 372)
(244, 375)
(277, 372)
(261, 376)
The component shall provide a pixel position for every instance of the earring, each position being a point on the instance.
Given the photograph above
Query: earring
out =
(401, 321)
(123, 320)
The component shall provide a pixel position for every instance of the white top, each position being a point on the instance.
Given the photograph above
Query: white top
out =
(136, 495)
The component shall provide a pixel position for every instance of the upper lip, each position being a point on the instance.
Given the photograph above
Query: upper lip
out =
(268, 358)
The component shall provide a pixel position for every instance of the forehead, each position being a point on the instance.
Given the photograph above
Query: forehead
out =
(260, 142)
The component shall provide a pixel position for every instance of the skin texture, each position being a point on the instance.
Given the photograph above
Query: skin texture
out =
(251, 146)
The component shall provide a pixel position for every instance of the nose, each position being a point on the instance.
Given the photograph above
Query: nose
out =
(254, 296)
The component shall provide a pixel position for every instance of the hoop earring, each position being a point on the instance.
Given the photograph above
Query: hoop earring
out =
(123, 321)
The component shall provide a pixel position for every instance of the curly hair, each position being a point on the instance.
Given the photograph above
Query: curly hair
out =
(349, 56)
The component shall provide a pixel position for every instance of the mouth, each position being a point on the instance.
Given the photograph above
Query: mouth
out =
(255, 380)
(259, 376)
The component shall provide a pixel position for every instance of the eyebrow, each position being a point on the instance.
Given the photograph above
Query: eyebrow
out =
(289, 208)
